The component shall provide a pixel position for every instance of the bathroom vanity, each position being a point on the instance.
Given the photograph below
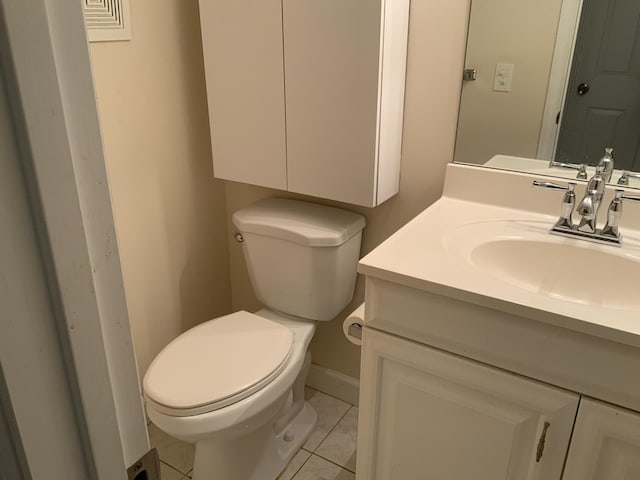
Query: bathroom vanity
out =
(495, 350)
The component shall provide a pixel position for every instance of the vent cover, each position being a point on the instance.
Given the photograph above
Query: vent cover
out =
(107, 20)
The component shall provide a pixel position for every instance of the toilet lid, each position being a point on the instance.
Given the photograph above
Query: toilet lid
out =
(217, 363)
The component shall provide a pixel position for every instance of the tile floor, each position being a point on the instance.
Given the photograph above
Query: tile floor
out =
(328, 454)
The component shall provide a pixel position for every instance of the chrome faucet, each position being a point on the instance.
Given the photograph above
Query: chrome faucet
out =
(606, 163)
(590, 203)
(588, 208)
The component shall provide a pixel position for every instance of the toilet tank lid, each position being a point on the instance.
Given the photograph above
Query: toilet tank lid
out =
(305, 223)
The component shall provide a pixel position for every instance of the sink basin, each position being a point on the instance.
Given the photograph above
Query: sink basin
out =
(526, 256)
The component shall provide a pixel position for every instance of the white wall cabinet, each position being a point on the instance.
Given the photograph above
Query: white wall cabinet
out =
(426, 414)
(307, 95)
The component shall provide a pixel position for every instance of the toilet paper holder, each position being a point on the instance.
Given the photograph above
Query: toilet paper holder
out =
(352, 325)
(355, 330)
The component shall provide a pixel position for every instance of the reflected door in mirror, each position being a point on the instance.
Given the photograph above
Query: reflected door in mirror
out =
(602, 106)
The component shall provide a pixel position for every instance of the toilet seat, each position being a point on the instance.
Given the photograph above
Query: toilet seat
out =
(217, 363)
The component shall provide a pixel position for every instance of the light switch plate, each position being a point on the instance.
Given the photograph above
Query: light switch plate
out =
(503, 77)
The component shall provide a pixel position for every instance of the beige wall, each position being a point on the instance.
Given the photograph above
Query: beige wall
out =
(170, 213)
(436, 50)
(169, 210)
(506, 31)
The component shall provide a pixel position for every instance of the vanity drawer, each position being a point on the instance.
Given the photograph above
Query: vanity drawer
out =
(583, 363)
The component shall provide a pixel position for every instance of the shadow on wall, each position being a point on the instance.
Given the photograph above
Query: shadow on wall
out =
(204, 286)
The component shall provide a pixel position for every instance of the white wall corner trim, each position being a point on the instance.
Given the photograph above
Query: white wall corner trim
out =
(107, 20)
(559, 77)
(334, 383)
(45, 60)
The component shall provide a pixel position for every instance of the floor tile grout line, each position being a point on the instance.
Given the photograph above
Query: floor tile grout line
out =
(303, 464)
(329, 395)
(333, 428)
(173, 468)
(179, 470)
(344, 467)
(315, 452)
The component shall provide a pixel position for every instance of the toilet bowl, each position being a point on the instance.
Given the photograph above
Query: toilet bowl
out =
(234, 385)
(247, 427)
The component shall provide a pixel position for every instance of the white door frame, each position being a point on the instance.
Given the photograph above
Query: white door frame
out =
(78, 356)
(13, 464)
(559, 77)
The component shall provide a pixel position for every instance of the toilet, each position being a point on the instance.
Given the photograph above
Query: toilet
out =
(234, 385)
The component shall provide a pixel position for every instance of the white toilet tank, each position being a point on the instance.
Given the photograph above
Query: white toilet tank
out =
(302, 257)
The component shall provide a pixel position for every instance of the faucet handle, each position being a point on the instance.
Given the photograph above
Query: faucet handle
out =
(570, 186)
(581, 167)
(624, 178)
(615, 213)
(568, 202)
(582, 172)
(613, 216)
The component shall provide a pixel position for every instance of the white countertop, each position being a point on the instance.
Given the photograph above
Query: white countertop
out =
(422, 254)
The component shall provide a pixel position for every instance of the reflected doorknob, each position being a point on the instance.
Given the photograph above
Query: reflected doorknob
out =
(583, 89)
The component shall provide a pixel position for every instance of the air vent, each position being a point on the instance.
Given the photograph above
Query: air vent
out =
(107, 20)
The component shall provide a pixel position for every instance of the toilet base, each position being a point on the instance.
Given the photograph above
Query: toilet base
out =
(261, 455)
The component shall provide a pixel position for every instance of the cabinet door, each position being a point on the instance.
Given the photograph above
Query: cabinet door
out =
(332, 56)
(605, 444)
(426, 414)
(242, 46)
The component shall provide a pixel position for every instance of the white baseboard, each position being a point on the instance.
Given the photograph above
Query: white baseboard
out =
(334, 383)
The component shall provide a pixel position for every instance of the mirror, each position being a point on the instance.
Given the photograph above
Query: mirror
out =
(549, 84)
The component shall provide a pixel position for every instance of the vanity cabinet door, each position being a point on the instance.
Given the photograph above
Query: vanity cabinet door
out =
(430, 415)
(605, 444)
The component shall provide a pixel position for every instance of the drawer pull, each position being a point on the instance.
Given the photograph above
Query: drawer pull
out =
(543, 438)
